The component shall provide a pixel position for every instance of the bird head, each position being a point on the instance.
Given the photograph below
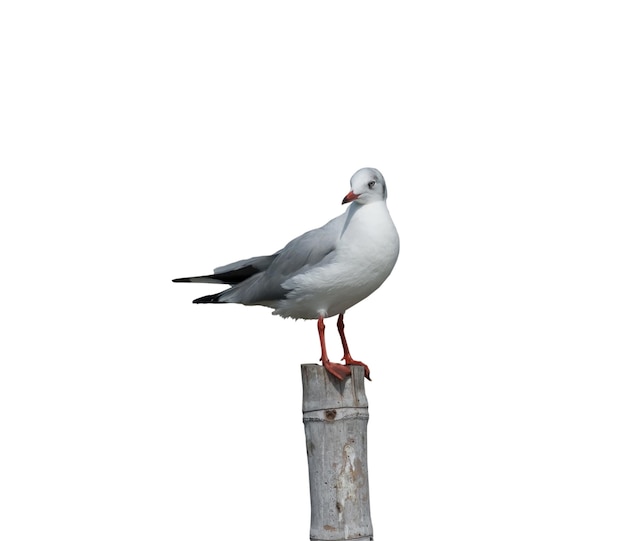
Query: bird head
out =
(368, 185)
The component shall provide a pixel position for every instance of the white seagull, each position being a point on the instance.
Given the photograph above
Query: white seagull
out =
(323, 272)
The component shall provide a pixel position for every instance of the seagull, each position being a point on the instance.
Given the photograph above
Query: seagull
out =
(323, 272)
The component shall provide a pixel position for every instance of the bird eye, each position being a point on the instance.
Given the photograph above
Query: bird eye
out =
(371, 184)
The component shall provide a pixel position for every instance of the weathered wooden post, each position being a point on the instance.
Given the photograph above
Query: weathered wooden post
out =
(335, 419)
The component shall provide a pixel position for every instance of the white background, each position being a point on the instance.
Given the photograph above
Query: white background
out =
(143, 141)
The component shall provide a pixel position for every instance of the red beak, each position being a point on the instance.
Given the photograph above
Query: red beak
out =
(350, 197)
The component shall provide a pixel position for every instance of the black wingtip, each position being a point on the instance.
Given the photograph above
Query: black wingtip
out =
(208, 299)
(181, 280)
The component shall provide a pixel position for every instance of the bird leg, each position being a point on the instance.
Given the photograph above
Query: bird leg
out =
(340, 371)
(346, 352)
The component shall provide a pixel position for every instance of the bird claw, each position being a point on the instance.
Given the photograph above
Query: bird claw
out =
(351, 361)
(340, 371)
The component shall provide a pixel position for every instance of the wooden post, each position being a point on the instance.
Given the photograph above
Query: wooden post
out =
(335, 418)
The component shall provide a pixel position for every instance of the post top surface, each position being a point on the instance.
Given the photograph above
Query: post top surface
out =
(321, 390)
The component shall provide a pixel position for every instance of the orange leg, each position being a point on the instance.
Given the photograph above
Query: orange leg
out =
(340, 371)
(346, 352)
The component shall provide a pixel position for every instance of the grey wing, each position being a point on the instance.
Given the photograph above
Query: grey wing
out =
(259, 263)
(313, 248)
(306, 251)
(234, 273)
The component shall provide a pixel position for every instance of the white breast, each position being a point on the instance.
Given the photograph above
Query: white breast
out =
(367, 250)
